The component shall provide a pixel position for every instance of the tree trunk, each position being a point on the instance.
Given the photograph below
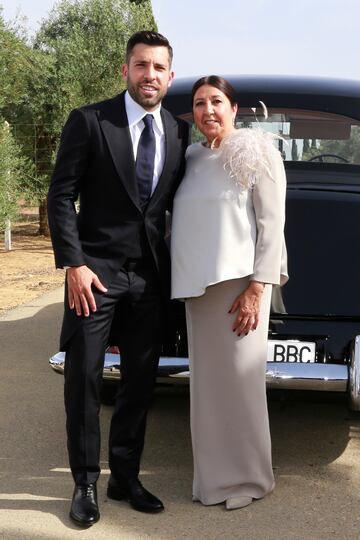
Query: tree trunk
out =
(8, 235)
(43, 219)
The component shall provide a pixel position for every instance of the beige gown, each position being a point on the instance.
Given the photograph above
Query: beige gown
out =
(229, 419)
(222, 237)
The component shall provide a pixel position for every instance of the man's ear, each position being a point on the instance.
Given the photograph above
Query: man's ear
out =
(124, 71)
(171, 78)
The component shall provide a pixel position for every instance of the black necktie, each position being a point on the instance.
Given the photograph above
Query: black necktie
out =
(144, 168)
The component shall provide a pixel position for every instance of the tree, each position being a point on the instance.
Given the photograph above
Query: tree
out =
(348, 148)
(87, 40)
(13, 168)
(310, 149)
(77, 59)
(306, 148)
(21, 68)
(15, 68)
(294, 151)
(15, 62)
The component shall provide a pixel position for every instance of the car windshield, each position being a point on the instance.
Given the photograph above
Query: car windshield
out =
(306, 136)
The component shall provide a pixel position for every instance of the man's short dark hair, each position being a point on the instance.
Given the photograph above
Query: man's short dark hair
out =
(147, 37)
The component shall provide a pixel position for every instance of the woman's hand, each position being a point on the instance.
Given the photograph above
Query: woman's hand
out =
(247, 305)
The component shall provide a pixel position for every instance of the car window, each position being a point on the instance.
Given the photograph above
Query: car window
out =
(306, 136)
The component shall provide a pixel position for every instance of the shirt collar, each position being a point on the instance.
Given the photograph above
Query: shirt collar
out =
(136, 113)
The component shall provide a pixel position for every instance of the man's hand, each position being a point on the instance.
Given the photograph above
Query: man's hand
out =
(247, 304)
(79, 281)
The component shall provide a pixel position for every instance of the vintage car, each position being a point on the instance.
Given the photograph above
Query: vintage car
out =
(314, 331)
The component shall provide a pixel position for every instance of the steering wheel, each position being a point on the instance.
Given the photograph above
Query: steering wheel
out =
(321, 157)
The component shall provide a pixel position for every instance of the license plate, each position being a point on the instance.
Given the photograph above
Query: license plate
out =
(291, 351)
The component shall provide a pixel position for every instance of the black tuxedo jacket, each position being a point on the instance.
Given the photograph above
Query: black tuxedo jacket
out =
(95, 161)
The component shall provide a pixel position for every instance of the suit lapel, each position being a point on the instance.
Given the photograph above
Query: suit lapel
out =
(171, 154)
(114, 125)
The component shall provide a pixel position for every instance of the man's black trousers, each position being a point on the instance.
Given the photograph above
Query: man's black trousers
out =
(133, 301)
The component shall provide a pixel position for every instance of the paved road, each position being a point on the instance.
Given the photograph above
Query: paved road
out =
(316, 458)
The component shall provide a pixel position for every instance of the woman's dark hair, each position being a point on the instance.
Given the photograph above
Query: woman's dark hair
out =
(148, 37)
(218, 82)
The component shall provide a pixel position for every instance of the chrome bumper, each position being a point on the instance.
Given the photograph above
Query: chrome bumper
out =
(319, 377)
(291, 376)
(354, 375)
(171, 369)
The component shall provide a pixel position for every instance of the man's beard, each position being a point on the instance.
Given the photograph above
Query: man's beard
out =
(145, 102)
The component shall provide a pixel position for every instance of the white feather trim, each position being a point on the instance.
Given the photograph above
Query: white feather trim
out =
(247, 155)
(264, 108)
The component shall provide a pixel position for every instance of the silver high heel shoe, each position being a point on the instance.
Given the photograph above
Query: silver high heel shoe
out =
(238, 502)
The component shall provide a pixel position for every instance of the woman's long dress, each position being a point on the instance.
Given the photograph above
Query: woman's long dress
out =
(215, 238)
(229, 419)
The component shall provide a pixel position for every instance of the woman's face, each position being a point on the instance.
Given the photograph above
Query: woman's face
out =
(213, 113)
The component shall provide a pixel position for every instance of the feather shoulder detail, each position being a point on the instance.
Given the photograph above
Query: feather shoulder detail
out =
(247, 155)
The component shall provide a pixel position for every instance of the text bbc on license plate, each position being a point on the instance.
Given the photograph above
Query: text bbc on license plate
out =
(291, 351)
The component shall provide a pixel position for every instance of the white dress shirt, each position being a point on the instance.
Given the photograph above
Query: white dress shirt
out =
(135, 113)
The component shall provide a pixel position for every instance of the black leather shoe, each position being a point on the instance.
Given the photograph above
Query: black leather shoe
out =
(131, 490)
(84, 507)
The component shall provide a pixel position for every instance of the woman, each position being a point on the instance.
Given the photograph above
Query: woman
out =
(227, 251)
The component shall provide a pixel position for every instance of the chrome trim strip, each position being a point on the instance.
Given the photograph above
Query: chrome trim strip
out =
(309, 376)
(354, 375)
(291, 376)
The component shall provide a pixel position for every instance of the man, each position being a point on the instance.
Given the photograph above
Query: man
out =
(124, 158)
